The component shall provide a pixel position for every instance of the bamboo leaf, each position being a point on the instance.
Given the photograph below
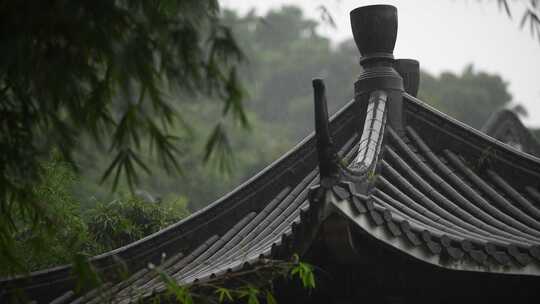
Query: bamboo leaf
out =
(224, 294)
(270, 299)
(504, 4)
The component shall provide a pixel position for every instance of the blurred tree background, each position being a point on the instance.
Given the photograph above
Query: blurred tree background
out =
(283, 52)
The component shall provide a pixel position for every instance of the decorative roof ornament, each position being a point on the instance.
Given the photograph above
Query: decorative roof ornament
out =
(374, 29)
(326, 151)
(409, 70)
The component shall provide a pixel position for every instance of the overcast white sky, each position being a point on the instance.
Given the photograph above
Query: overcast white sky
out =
(445, 35)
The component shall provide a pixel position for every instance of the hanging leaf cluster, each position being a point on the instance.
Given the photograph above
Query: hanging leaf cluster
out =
(530, 17)
(106, 69)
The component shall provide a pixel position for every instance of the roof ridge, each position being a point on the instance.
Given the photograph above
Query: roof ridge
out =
(468, 140)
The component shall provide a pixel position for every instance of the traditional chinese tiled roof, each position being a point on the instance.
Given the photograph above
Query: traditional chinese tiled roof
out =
(397, 170)
(506, 126)
(449, 195)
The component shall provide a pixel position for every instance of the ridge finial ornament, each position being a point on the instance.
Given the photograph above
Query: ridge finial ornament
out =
(328, 167)
(374, 30)
(409, 70)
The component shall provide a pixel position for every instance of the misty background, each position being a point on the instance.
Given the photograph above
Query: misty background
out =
(444, 35)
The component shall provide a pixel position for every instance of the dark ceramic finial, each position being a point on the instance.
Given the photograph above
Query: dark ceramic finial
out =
(325, 146)
(409, 69)
(374, 29)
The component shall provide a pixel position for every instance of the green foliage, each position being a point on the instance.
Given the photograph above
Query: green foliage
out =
(372, 175)
(65, 234)
(106, 69)
(219, 139)
(87, 276)
(270, 299)
(224, 295)
(201, 183)
(250, 286)
(249, 293)
(182, 294)
(305, 273)
(59, 232)
(126, 220)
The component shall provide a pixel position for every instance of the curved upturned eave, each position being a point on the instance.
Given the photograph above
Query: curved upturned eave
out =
(382, 234)
(416, 235)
